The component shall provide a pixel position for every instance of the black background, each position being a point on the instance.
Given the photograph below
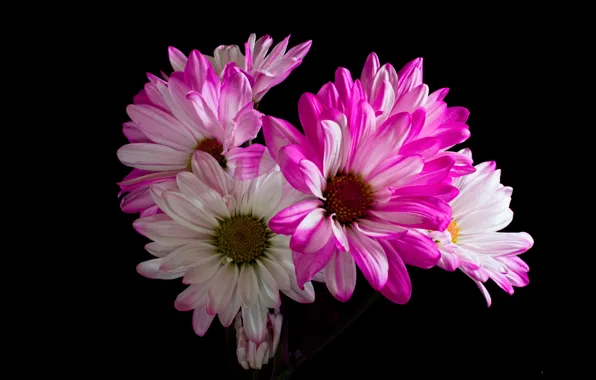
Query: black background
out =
(446, 329)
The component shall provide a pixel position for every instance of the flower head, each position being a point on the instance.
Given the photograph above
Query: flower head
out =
(264, 69)
(472, 242)
(194, 110)
(251, 354)
(366, 192)
(214, 233)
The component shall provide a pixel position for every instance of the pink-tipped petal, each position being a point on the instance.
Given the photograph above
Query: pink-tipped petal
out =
(370, 258)
(313, 233)
(250, 162)
(153, 157)
(398, 288)
(416, 249)
(309, 264)
(208, 170)
(340, 275)
(416, 212)
(150, 269)
(279, 133)
(313, 178)
(177, 59)
(201, 320)
(288, 219)
(290, 157)
(235, 94)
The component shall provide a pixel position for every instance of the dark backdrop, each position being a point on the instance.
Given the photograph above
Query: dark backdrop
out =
(446, 329)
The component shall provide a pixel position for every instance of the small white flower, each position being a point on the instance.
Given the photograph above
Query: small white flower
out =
(214, 233)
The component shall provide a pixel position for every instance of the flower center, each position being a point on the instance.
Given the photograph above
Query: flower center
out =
(242, 238)
(214, 148)
(348, 196)
(453, 230)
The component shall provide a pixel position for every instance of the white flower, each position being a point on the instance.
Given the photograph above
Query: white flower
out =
(253, 354)
(215, 235)
(472, 242)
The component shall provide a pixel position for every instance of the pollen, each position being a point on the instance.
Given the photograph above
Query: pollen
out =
(214, 148)
(453, 230)
(242, 238)
(348, 197)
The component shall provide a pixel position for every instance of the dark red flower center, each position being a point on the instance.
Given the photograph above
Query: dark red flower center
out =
(214, 148)
(348, 197)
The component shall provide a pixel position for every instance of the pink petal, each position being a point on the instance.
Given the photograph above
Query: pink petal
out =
(290, 157)
(332, 139)
(195, 70)
(309, 110)
(426, 147)
(299, 51)
(398, 287)
(410, 76)
(235, 94)
(395, 172)
(288, 219)
(279, 133)
(153, 157)
(160, 127)
(371, 66)
(313, 233)
(417, 249)
(498, 243)
(343, 82)
(309, 264)
(448, 261)
(459, 114)
(137, 200)
(313, 178)
(250, 162)
(452, 133)
(181, 108)
(361, 125)
(201, 320)
(208, 170)
(416, 212)
(329, 96)
(245, 127)
(206, 115)
(369, 256)
(340, 275)
(177, 59)
(133, 133)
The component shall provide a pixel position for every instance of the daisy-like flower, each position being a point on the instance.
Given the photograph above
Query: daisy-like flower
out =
(192, 111)
(472, 242)
(214, 234)
(253, 354)
(363, 197)
(390, 92)
(264, 70)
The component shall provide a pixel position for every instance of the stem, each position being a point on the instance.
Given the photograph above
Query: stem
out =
(336, 332)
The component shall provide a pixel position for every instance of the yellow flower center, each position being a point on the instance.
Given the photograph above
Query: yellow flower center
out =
(453, 230)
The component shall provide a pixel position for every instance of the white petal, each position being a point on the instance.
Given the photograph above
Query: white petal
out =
(223, 287)
(202, 196)
(255, 322)
(177, 206)
(201, 321)
(278, 272)
(248, 283)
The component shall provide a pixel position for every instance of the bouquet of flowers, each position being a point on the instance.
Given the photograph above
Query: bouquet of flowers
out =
(367, 183)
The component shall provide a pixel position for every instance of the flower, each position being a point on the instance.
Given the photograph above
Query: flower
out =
(214, 234)
(253, 354)
(472, 242)
(264, 70)
(167, 128)
(362, 197)
(390, 92)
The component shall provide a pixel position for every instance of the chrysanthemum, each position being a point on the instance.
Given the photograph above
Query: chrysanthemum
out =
(390, 92)
(472, 242)
(264, 70)
(214, 233)
(362, 195)
(253, 354)
(167, 128)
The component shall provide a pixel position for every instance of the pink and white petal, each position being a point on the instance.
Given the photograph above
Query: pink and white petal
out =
(395, 172)
(268, 288)
(299, 51)
(498, 243)
(133, 133)
(246, 125)
(161, 127)
(409, 76)
(229, 313)
(371, 66)
(369, 256)
(153, 157)
(223, 289)
(208, 170)
(485, 292)
(248, 286)
(412, 100)
(340, 275)
(313, 233)
(332, 142)
(206, 115)
(482, 221)
(195, 70)
(250, 162)
(279, 133)
(189, 255)
(417, 249)
(150, 269)
(288, 219)
(281, 276)
(183, 109)
(141, 178)
(137, 200)
(416, 212)
(329, 96)
(290, 158)
(309, 264)
(450, 134)
(201, 320)
(378, 228)
(194, 296)
(203, 269)
(235, 94)
(178, 207)
(153, 210)
(340, 235)
(362, 124)
(398, 287)
(313, 178)
(162, 229)
(177, 59)
(309, 110)
(158, 188)
(449, 261)
(202, 196)
(306, 295)
(158, 249)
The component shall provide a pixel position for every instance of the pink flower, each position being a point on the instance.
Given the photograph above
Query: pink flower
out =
(364, 200)
(390, 92)
(471, 241)
(214, 234)
(264, 70)
(192, 111)
(252, 354)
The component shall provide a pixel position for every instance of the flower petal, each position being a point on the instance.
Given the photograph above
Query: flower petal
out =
(208, 171)
(370, 258)
(202, 196)
(417, 249)
(150, 269)
(309, 264)
(250, 162)
(313, 178)
(340, 275)
(161, 127)
(248, 285)
(417, 212)
(332, 140)
(498, 243)
(288, 219)
(290, 157)
(161, 228)
(201, 320)
(235, 94)
(282, 279)
(179, 208)
(223, 288)
(279, 133)
(398, 288)
(177, 59)
(153, 157)
(313, 233)
(254, 320)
